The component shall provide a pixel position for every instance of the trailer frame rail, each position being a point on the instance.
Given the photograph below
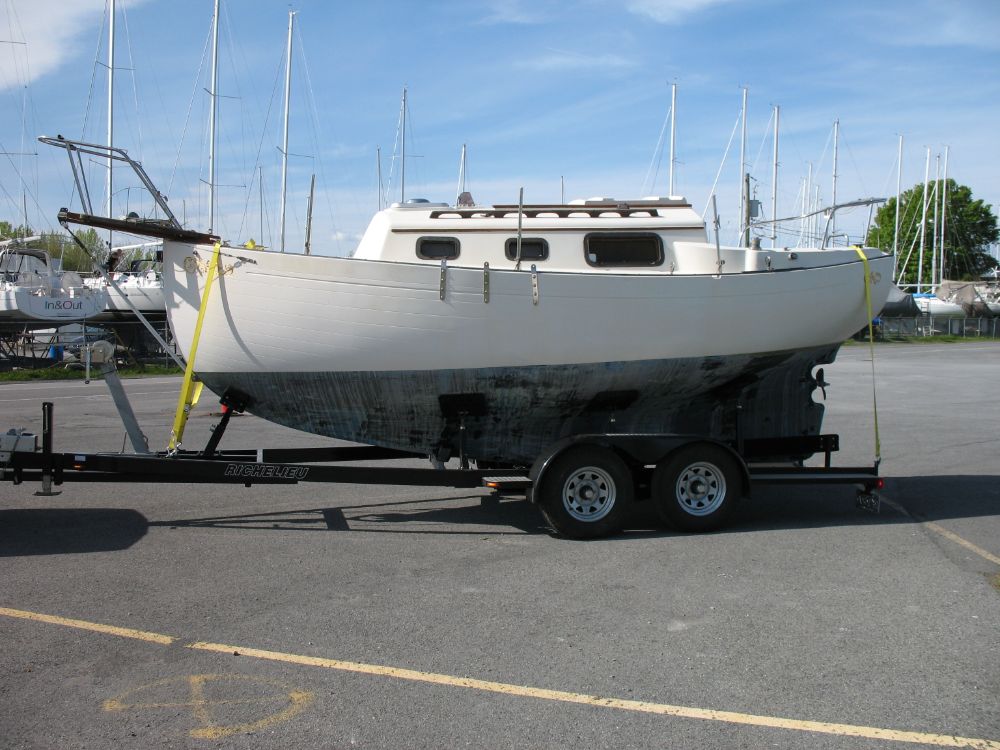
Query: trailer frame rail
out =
(21, 460)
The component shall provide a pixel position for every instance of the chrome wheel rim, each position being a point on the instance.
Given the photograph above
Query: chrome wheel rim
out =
(700, 488)
(589, 494)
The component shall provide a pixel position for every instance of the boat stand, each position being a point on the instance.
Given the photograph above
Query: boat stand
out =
(102, 354)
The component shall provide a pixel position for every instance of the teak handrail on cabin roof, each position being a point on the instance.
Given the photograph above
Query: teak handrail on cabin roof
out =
(592, 209)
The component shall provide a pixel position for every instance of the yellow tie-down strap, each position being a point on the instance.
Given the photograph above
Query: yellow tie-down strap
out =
(871, 347)
(191, 388)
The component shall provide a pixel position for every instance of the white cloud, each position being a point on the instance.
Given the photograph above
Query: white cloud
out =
(349, 238)
(512, 12)
(53, 31)
(973, 25)
(555, 60)
(671, 11)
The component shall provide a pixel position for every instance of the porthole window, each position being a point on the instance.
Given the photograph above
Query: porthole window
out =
(437, 248)
(623, 249)
(531, 248)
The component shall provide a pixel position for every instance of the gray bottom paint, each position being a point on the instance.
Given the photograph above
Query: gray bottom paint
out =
(511, 414)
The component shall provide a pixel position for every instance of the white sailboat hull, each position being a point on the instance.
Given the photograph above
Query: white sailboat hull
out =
(147, 299)
(393, 353)
(939, 308)
(27, 308)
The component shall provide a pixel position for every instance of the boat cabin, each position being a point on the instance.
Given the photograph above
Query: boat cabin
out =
(647, 236)
(643, 236)
(20, 266)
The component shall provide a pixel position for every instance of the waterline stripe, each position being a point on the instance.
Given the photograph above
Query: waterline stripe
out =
(662, 709)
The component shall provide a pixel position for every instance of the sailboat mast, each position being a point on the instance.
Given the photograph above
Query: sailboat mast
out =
(111, 107)
(212, 118)
(806, 191)
(944, 210)
(309, 214)
(284, 141)
(815, 218)
(833, 195)
(461, 176)
(774, 180)
(923, 222)
(378, 172)
(743, 166)
(934, 236)
(402, 150)
(673, 134)
(899, 186)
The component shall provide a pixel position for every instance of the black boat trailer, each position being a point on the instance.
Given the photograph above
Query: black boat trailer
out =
(583, 484)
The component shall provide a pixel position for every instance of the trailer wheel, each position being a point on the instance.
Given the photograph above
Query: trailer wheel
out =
(696, 488)
(586, 492)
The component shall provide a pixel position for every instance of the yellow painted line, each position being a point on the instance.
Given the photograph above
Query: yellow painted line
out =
(662, 709)
(197, 684)
(963, 542)
(202, 707)
(115, 704)
(950, 535)
(299, 701)
(138, 635)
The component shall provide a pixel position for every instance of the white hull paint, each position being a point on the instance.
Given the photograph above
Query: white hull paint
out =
(32, 308)
(291, 313)
(939, 308)
(32, 296)
(144, 295)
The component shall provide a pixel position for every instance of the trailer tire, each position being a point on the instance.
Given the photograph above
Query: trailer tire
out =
(586, 492)
(696, 487)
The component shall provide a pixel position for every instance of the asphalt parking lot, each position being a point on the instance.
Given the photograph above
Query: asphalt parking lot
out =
(143, 615)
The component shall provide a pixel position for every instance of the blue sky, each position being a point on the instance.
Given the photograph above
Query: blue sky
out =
(539, 91)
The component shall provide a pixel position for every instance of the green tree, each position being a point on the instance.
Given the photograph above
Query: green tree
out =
(8, 231)
(94, 244)
(73, 257)
(61, 246)
(970, 226)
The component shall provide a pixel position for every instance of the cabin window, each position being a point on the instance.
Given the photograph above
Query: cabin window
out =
(623, 249)
(531, 248)
(437, 248)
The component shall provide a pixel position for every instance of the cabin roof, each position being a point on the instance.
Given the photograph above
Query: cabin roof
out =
(657, 213)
